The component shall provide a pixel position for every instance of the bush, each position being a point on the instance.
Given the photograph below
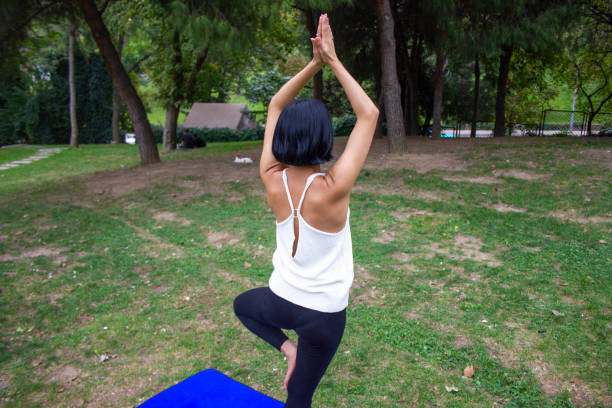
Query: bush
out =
(35, 108)
(211, 135)
(342, 127)
(344, 124)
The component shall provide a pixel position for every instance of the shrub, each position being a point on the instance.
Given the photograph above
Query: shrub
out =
(214, 134)
(344, 124)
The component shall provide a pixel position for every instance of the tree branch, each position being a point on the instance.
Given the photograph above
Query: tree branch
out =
(601, 105)
(135, 65)
(37, 12)
(104, 6)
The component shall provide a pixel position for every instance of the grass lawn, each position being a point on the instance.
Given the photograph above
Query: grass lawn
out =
(117, 280)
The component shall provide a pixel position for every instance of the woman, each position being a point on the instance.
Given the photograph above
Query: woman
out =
(313, 262)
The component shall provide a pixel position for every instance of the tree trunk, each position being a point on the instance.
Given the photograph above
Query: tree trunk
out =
(500, 100)
(438, 88)
(476, 96)
(317, 80)
(116, 116)
(170, 125)
(378, 132)
(391, 87)
(416, 58)
(117, 102)
(74, 126)
(121, 80)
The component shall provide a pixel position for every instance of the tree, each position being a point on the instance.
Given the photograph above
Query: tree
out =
(589, 56)
(390, 83)
(198, 46)
(142, 127)
(74, 127)
(531, 25)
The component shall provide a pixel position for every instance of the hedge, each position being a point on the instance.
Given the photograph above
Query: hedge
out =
(342, 127)
(214, 134)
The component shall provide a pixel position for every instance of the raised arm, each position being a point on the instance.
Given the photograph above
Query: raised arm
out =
(344, 172)
(268, 162)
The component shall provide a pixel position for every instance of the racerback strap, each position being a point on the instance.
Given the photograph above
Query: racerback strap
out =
(295, 211)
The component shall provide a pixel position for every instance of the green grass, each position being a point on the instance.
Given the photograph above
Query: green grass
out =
(11, 153)
(157, 116)
(88, 159)
(439, 283)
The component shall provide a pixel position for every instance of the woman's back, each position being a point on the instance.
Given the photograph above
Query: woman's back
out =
(320, 209)
(313, 268)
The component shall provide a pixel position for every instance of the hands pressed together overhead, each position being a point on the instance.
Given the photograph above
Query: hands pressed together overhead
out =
(323, 49)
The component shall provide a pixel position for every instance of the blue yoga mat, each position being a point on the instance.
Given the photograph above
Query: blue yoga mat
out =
(211, 389)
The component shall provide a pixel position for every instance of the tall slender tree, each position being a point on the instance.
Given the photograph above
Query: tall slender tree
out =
(390, 84)
(144, 134)
(74, 127)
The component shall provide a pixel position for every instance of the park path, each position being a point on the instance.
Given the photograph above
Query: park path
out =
(41, 154)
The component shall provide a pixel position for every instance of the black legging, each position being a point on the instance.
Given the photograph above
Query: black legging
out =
(319, 334)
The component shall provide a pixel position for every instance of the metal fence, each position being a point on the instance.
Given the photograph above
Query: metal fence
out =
(552, 123)
(601, 121)
(562, 122)
(463, 129)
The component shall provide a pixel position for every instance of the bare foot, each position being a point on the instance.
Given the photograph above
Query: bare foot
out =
(290, 351)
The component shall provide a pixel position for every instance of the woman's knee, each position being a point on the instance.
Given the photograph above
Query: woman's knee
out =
(247, 302)
(240, 304)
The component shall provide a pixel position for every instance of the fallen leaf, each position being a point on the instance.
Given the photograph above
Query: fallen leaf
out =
(452, 388)
(468, 371)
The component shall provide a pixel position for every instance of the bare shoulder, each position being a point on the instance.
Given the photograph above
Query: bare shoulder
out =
(326, 191)
(273, 177)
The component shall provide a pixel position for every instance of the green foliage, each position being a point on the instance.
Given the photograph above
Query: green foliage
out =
(36, 110)
(344, 125)
(261, 88)
(211, 135)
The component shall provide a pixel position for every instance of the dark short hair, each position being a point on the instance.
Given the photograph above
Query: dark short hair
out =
(304, 135)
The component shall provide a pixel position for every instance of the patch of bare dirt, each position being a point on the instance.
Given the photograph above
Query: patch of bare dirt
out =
(405, 213)
(190, 189)
(552, 383)
(421, 162)
(386, 236)
(504, 208)
(220, 238)
(520, 174)
(34, 253)
(412, 315)
(208, 175)
(480, 179)
(600, 156)
(573, 216)
(5, 380)
(65, 376)
(466, 247)
(429, 195)
(365, 284)
(463, 341)
(170, 216)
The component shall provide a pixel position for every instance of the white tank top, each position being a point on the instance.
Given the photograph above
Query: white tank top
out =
(320, 274)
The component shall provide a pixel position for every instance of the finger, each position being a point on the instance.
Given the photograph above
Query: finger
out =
(319, 30)
(327, 32)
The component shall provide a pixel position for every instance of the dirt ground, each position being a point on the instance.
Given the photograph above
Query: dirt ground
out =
(422, 155)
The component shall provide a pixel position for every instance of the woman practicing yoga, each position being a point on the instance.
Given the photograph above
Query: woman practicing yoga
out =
(313, 262)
